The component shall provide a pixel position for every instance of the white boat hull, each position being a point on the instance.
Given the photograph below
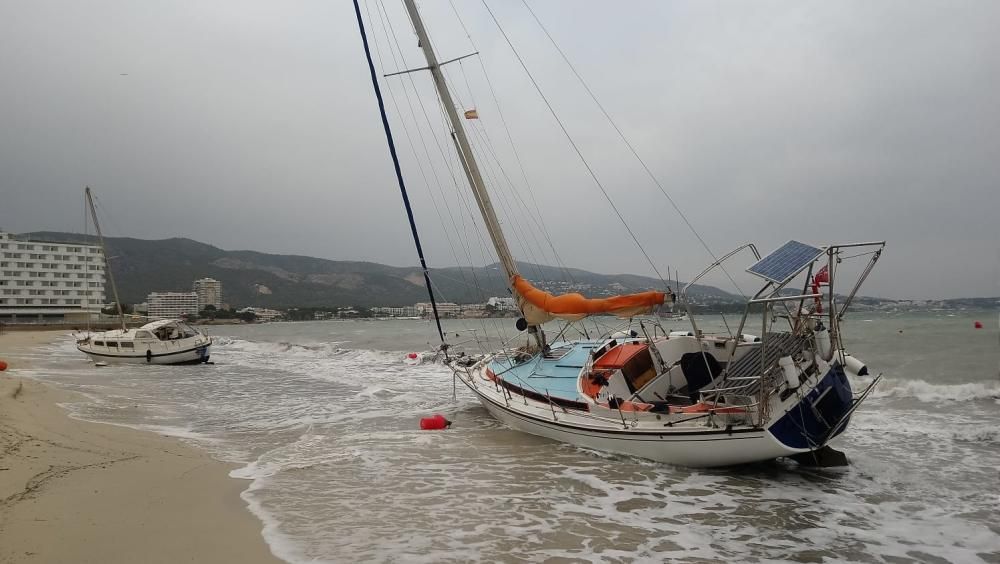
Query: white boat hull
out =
(792, 430)
(194, 355)
(164, 341)
(697, 449)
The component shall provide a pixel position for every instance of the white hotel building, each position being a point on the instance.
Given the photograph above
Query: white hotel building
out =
(43, 281)
(209, 292)
(171, 305)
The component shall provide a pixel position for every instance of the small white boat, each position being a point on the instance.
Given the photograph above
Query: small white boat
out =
(168, 341)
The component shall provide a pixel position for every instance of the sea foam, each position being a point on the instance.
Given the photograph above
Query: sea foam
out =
(928, 392)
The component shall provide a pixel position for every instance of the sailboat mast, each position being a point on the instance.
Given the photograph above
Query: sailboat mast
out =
(399, 176)
(464, 149)
(107, 260)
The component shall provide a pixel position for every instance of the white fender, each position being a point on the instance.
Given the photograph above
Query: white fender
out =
(856, 366)
(790, 371)
(823, 346)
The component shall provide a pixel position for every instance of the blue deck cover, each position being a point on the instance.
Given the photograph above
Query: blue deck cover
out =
(556, 377)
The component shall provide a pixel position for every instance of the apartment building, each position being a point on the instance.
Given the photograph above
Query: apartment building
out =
(46, 281)
(209, 292)
(171, 305)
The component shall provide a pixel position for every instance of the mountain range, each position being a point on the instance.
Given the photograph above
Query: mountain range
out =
(142, 266)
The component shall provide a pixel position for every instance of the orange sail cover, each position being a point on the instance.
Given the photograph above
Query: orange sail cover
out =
(575, 306)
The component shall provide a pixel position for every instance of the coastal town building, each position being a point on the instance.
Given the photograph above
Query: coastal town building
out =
(171, 305)
(405, 311)
(444, 308)
(209, 292)
(502, 304)
(46, 281)
(262, 313)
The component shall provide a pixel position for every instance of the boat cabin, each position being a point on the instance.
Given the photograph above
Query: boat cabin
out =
(619, 370)
(165, 330)
(629, 371)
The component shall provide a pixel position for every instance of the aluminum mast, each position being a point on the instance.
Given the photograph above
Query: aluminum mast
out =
(107, 259)
(464, 149)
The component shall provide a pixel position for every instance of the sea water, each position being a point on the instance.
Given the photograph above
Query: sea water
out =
(323, 418)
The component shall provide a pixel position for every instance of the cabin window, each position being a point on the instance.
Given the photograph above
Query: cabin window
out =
(98, 343)
(127, 346)
(186, 331)
(639, 370)
(143, 335)
(113, 344)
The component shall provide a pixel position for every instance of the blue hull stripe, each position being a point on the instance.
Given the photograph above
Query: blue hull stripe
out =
(808, 424)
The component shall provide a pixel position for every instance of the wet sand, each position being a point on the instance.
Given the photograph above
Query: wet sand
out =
(73, 491)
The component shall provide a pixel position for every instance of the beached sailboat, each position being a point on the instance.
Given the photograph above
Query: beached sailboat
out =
(165, 341)
(685, 398)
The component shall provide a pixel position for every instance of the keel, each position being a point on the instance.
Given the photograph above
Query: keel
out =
(826, 457)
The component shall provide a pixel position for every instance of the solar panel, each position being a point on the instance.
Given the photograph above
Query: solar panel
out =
(784, 263)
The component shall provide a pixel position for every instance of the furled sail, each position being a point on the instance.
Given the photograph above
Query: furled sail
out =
(539, 306)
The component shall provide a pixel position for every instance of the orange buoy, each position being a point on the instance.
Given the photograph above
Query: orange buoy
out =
(3, 366)
(978, 325)
(435, 422)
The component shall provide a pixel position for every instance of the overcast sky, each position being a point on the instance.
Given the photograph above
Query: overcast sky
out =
(251, 124)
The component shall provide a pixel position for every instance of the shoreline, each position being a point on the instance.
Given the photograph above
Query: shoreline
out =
(77, 491)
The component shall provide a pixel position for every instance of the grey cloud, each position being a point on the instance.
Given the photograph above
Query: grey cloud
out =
(252, 125)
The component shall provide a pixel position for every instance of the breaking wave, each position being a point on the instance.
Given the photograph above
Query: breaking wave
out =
(932, 393)
(244, 349)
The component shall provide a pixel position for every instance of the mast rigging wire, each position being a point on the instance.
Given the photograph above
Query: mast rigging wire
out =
(387, 24)
(630, 147)
(479, 131)
(573, 144)
(392, 96)
(389, 31)
(513, 147)
(395, 163)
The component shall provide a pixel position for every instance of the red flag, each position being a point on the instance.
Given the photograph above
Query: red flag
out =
(823, 276)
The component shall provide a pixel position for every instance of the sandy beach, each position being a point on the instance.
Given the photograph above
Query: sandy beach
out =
(72, 491)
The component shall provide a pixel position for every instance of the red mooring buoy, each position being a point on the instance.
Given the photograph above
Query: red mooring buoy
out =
(978, 325)
(3, 366)
(412, 356)
(435, 422)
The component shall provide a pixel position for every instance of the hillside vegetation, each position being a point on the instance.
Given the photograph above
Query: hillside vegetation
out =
(269, 280)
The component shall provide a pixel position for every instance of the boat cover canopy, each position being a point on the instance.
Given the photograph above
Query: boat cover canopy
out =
(576, 306)
(619, 356)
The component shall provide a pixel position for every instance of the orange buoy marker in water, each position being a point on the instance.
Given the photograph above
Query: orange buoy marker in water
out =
(3, 366)
(978, 325)
(435, 422)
